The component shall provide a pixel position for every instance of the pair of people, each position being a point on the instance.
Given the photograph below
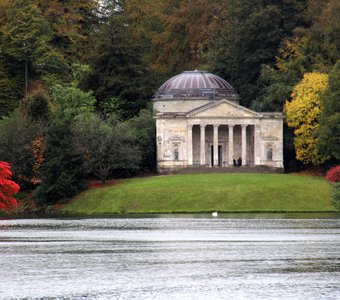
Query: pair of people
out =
(238, 163)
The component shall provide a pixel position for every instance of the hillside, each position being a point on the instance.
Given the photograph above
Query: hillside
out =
(207, 192)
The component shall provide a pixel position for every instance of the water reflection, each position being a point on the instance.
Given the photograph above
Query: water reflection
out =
(167, 257)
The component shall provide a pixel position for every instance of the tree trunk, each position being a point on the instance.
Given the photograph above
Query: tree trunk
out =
(26, 77)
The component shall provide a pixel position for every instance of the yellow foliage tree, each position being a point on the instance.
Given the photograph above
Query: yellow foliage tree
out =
(302, 113)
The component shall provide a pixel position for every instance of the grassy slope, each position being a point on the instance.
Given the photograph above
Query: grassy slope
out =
(208, 192)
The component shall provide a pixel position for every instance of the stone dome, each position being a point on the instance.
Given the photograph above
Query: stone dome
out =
(196, 85)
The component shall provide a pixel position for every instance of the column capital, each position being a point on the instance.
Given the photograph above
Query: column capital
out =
(216, 125)
(231, 125)
(190, 126)
(203, 125)
(244, 125)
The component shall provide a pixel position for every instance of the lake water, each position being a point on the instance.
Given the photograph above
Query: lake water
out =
(170, 257)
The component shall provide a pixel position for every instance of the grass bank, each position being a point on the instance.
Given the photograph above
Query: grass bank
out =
(207, 192)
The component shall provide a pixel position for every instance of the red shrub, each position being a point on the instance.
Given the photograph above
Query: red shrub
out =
(333, 174)
(8, 188)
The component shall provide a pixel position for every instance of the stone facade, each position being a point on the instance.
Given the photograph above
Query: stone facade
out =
(205, 132)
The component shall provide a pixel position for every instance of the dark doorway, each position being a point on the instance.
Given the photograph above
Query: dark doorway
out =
(220, 156)
(212, 155)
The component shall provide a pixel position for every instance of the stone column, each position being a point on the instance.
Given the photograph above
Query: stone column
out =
(231, 144)
(244, 145)
(189, 144)
(257, 145)
(216, 145)
(202, 144)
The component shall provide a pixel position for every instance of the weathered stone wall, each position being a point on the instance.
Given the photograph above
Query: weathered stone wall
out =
(180, 105)
(171, 135)
(271, 137)
(168, 106)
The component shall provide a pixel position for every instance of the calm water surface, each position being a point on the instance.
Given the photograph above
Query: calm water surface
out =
(170, 258)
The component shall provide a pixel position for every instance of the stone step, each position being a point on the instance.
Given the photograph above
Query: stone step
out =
(257, 169)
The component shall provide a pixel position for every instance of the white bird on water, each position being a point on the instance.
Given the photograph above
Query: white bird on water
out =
(214, 214)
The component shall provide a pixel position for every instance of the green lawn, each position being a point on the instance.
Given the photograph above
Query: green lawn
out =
(206, 193)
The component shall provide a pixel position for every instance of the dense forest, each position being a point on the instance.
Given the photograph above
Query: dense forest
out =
(77, 76)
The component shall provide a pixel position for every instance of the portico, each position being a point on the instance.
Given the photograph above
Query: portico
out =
(214, 144)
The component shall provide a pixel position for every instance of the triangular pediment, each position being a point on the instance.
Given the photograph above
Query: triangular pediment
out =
(222, 109)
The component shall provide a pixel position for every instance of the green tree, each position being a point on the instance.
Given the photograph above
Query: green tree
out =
(16, 136)
(72, 101)
(248, 36)
(322, 33)
(127, 159)
(119, 67)
(8, 91)
(329, 132)
(144, 131)
(276, 83)
(93, 138)
(108, 148)
(61, 173)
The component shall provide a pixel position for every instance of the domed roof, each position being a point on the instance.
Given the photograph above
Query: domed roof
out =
(196, 84)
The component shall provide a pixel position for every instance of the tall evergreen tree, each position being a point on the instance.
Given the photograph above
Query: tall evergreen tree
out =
(328, 141)
(314, 47)
(17, 134)
(61, 173)
(119, 65)
(248, 36)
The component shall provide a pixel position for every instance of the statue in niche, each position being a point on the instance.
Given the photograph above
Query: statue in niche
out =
(270, 153)
(176, 154)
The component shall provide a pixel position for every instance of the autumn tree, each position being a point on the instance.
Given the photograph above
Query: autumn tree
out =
(39, 42)
(10, 79)
(8, 188)
(303, 113)
(181, 34)
(26, 38)
(71, 23)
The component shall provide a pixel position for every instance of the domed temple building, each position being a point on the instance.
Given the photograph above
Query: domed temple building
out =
(200, 124)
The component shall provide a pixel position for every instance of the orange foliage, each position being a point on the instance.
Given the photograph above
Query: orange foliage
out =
(38, 148)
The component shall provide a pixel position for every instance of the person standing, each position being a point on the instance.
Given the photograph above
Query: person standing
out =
(239, 162)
